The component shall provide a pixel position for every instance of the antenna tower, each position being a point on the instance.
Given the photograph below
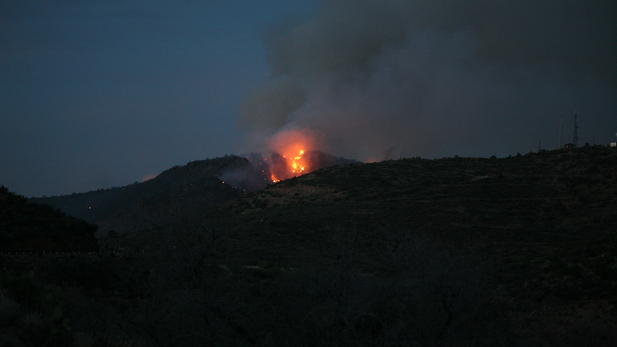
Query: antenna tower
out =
(575, 134)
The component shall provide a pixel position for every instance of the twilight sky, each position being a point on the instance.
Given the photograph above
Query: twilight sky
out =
(95, 94)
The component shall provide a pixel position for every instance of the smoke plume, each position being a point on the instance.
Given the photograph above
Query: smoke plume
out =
(372, 79)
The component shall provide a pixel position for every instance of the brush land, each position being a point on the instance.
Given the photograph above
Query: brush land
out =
(517, 251)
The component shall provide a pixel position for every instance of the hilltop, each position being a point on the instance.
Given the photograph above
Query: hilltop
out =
(177, 193)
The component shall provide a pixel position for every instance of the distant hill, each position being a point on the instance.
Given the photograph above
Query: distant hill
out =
(176, 194)
(30, 227)
(172, 195)
(567, 191)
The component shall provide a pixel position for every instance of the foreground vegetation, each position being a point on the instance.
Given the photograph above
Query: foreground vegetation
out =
(416, 294)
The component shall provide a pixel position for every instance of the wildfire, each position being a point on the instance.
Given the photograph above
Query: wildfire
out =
(295, 165)
(285, 167)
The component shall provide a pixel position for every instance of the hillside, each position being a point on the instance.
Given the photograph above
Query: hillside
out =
(550, 216)
(178, 192)
(29, 227)
(572, 194)
(517, 251)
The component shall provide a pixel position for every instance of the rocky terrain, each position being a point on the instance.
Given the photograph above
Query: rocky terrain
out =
(516, 251)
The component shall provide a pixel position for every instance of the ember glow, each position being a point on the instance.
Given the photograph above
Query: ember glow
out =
(290, 159)
(284, 167)
(296, 163)
(290, 153)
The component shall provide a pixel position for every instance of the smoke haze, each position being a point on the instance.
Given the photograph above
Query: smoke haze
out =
(374, 79)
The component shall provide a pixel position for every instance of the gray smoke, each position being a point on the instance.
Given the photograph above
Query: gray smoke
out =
(368, 79)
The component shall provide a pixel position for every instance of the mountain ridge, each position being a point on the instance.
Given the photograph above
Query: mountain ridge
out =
(150, 203)
(176, 192)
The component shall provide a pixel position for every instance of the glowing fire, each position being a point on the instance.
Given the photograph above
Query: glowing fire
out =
(297, 167)
(288, 167)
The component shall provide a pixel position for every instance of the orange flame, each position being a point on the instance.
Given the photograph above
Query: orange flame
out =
(274, 179)
(296, 166)
(288, 167)
(289, 150)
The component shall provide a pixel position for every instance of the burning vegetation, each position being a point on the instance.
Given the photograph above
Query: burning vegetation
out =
(279, 167)
(289, 167)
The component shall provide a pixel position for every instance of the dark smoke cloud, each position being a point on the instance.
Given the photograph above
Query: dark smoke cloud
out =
(368, 79)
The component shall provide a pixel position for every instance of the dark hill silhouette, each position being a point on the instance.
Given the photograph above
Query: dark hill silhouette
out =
(30, 227)
(559, 196)
(176, 193)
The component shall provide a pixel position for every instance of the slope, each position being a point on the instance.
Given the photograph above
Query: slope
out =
(29, 227)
